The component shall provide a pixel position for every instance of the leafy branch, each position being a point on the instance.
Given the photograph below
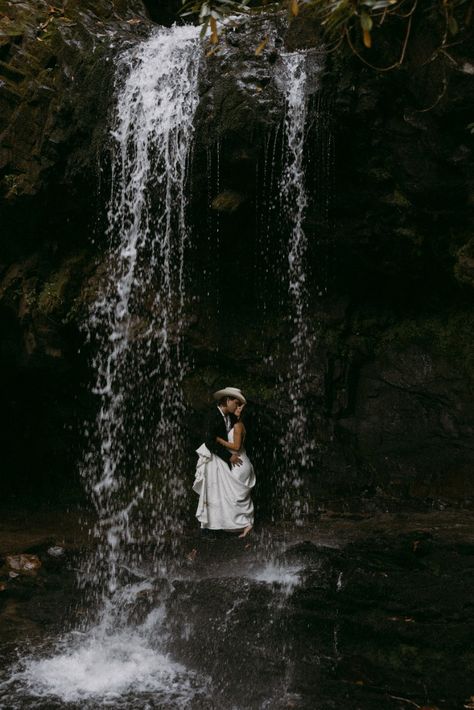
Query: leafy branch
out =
(210, 12)
(350, 22)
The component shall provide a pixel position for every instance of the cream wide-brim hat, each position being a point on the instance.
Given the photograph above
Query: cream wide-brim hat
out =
(230, 392)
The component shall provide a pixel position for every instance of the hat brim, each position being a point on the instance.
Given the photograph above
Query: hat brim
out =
(230, 392)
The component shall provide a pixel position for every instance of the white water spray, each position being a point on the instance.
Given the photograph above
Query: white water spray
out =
(297, 443)
(133, 470)
(100, 668)
(133, 467)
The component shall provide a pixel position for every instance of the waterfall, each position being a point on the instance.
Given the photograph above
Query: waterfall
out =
(124, 655)
(133, 467)
(298, 82)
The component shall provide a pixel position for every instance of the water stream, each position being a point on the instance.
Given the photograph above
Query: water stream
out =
(132, 472)
(132, 469)
(299, 80)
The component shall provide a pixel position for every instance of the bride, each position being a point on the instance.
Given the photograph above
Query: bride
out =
(225, 492)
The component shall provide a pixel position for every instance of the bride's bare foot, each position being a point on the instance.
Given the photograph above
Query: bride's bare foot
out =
(245, 531)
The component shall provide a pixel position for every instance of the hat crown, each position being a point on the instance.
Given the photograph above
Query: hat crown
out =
(230, 392)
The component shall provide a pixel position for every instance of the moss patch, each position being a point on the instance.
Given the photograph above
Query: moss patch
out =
(449, 335)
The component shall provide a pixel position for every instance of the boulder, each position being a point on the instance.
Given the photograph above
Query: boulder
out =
(23, 563)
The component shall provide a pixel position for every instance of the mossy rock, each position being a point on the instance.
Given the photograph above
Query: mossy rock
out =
(464, 267)
(449, 335)
(53, 69)
(52, 297)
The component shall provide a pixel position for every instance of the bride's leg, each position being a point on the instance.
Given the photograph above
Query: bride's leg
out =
(246, 531)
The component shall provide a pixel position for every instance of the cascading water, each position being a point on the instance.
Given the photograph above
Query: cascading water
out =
(298, 445)
(133, 471)
(133, 467)
(118, 657)
(285, 634)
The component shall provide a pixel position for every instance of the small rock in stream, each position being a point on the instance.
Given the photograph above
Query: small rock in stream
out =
(23, 563)
(56, 551)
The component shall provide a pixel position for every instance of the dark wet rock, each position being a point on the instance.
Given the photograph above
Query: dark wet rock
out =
(56, 551)
(232, 654)
(303, 33)
(54, 76)
(55, 84)
(23, 563)
(464, 268)
(165, 12)
(145, 602)
(240, 98)
(38, 601)
(387, 615)
(385, 618)
(227, 201)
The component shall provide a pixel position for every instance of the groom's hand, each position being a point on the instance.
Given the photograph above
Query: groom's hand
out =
(235, 460)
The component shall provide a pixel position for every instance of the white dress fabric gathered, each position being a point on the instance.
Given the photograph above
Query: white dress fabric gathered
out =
(225, 501)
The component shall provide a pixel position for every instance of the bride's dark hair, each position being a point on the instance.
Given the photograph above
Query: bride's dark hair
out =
(243, 417)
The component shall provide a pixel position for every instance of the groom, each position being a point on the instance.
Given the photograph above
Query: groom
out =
(220, 421)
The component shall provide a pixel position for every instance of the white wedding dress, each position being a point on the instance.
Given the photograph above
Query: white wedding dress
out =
(225, 501)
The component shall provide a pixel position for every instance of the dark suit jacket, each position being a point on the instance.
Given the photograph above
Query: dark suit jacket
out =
(215, 426)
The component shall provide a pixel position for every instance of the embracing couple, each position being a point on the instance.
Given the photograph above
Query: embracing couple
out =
(224, 473)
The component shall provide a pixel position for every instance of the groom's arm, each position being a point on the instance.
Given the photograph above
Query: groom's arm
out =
(210, 440)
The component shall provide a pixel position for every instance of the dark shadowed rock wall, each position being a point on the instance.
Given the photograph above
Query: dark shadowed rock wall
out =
(55, 84)
(389, 387)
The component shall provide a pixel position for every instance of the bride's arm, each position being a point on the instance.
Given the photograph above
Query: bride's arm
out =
(237, 443)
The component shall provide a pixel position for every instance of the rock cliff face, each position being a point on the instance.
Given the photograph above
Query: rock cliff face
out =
(390, 377)
(55, 82)
(389, 387)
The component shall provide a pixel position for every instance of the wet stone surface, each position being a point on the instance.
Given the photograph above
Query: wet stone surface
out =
(367, 613)
(384, 618)
(36, 603)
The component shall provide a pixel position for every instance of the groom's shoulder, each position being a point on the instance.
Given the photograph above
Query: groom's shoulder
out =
(212, 418)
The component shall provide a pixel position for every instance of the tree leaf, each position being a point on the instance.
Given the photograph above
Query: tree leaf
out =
(261, 46)
(214, 35)
(469, 12)
(366, 22)
(453, 25)
(204, 27)
(294, 8)
(367, 39)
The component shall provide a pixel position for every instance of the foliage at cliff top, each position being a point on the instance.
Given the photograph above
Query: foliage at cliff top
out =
(352, 23)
